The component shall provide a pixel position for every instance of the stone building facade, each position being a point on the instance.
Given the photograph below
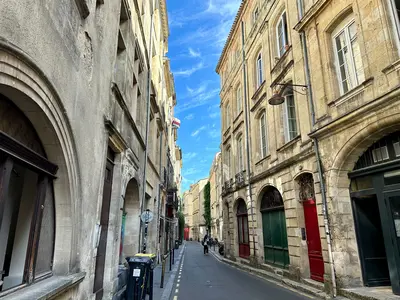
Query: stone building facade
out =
(73, 106)
(193, 202)
(324, 161)
(216, 197)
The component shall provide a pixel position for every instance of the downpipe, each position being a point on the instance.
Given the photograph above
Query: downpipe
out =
(146, 150)
(248, 189)
(319, 165)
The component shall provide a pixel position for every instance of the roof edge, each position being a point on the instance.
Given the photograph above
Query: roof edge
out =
(233, 27)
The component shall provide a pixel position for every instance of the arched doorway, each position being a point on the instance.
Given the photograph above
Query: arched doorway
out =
(243, 229)
(131, 223)
(27, 213)
(375, 195)
(274, 228)
(307, 197)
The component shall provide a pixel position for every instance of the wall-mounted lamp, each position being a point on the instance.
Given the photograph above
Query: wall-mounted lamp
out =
(278, 99)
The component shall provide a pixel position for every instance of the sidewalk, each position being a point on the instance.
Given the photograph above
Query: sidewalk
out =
(169, 276)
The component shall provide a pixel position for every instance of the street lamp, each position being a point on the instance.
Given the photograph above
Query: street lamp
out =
(278, 99)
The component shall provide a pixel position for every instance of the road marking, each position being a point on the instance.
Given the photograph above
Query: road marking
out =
(176, 291)
(179, 280)
(175, 297)
(177, 285)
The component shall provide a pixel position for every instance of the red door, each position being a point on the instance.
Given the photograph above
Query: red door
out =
(243, 226)
(313, 240)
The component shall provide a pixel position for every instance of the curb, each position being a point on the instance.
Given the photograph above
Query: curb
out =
(166, 295)
(279, 280)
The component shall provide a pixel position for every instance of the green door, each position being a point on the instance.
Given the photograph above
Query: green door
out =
(274, 228)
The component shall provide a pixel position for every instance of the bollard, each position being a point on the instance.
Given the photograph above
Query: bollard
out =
(173, 256)
(170, 260)
(162, 273)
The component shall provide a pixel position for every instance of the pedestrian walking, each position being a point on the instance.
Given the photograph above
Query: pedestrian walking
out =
(205, 243)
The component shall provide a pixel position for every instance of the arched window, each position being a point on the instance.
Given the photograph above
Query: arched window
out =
(263, 135)
(259, 70)
(27, 218)
(289, 116)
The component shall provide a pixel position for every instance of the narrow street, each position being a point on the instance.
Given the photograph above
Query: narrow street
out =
(204, 277)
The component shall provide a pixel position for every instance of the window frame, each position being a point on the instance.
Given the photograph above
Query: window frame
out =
(396, 23)
(285, 33)
(263, 147)
(239, 101)
(286, 127)
(239, 142)
(259, 70)
(256, 14)
(352, 79)
(228, 115)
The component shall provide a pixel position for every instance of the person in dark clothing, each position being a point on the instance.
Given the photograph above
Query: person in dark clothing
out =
(205, 244)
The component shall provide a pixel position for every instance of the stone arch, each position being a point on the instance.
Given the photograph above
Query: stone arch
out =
(22, 81)
(338, 192)
(347, 156)
(132, 219)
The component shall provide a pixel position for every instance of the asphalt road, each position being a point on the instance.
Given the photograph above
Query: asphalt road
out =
(203, 277)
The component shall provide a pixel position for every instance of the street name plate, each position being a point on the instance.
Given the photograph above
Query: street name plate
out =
(136, 272)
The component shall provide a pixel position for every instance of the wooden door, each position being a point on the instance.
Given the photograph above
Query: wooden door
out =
(275, 237)
(104, 219)
(313, 240)
(243, 234)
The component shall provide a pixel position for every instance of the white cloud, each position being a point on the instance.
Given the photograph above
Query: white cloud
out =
(194, 53)
(214, 115)
(202, 99)
(196, 91)
(214, 133)
(189, 155)
(190, 171)
(190, 71)
(189, 117)
(197, 131)
(223, 7)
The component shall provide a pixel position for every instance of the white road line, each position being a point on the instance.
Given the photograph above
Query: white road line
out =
(175, 297)
(176, 291)
(177, 285)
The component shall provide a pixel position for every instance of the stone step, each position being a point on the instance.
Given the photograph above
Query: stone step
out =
(315, 284)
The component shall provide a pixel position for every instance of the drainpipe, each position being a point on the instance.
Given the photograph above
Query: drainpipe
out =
(319, 166)
(249, 192)
(160, 168)
(146, 150)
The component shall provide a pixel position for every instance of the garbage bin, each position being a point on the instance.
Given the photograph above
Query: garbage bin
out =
(140, 279)
(176, 244)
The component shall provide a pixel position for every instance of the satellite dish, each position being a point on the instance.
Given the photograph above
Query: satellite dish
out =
(147, 216)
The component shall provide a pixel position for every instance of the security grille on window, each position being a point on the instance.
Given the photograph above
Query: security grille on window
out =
(348, 58)
(289, 117)
(397, 148)
(282, 34)
(380, 154)
(259, 70)
(263, 135)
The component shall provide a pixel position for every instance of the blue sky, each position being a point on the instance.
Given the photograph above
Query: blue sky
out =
(199, 29)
